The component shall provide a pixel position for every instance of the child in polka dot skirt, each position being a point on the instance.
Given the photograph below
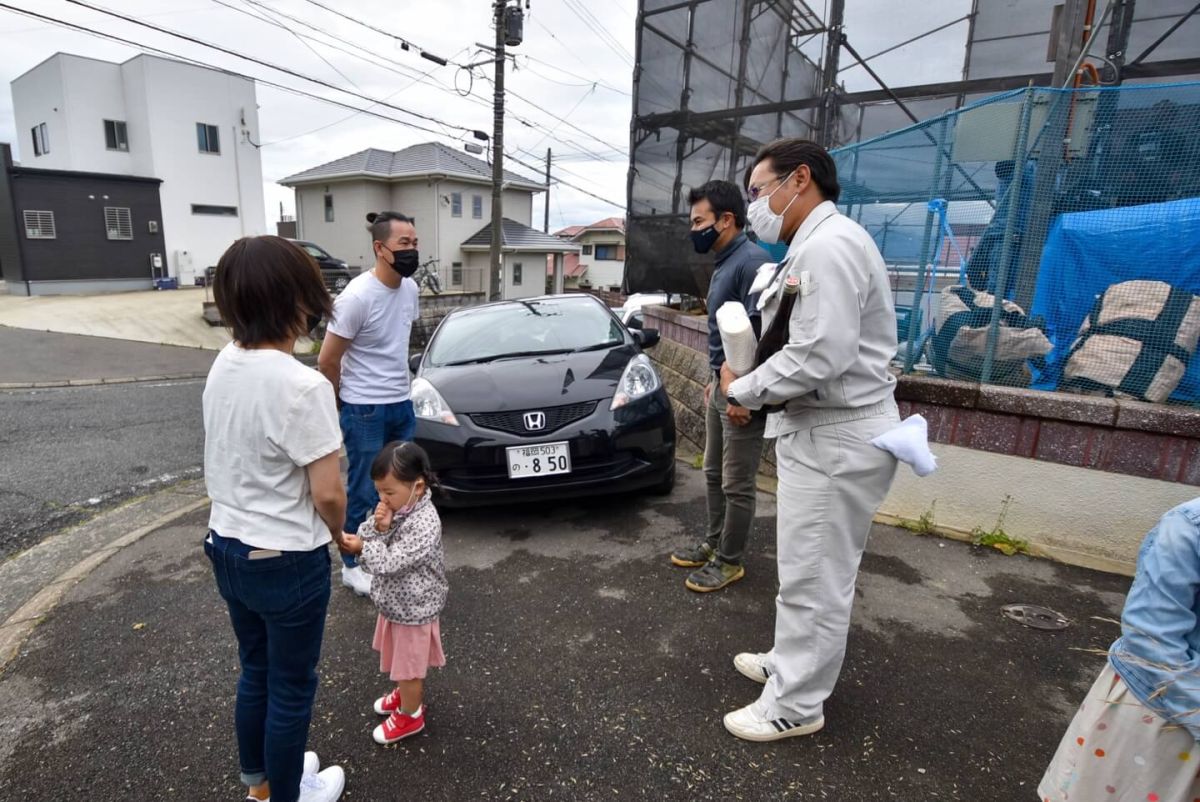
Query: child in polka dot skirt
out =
(1134, 737)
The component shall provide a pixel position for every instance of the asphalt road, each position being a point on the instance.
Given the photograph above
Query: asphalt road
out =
(579, 668)
(67, 452)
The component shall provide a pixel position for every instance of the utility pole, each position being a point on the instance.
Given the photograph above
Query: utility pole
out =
(498, 7)
(546, 223)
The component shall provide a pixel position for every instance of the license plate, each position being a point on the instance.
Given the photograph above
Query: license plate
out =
(542, 460)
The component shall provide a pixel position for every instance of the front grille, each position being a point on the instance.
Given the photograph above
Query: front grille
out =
(514, 422)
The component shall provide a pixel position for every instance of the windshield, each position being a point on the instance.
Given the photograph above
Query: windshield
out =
(526, 328)
(314, 251)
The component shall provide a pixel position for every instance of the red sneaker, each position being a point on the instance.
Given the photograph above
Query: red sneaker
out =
(398, 726)
(386, 705)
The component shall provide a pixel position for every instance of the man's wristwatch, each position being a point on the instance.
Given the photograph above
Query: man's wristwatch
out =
(731, 400)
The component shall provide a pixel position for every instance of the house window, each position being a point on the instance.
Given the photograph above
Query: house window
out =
(208, 138)
(115, 135)
(606, 253)
(40, 225)
(41, 140)
(328, 208)
(517, 274)
(220, 211)
(477, 207)
(118, 222)
(456, 204)
(587, 250)
(456, 274)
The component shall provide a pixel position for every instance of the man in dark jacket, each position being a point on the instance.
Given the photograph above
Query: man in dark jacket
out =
(733, 435)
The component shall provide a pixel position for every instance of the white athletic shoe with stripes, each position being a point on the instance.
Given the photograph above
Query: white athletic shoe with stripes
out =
(753, 666)
(749, 725)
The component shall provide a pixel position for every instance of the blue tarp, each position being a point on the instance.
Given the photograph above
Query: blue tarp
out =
(1087, 252)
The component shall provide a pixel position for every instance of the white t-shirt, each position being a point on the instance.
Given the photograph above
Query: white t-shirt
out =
(377, 320)
(266, 417)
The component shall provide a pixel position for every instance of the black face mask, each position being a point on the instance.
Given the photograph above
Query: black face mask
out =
(705, 238)
(405, 262)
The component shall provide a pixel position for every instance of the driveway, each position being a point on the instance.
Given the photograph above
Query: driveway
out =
(579, 668)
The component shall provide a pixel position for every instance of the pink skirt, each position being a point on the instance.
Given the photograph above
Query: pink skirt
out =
(407, 652)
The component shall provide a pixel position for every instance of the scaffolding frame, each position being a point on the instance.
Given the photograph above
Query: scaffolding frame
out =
(822, 110)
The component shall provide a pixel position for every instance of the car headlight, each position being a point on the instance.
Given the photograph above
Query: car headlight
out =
(428, 403)
(639, 380)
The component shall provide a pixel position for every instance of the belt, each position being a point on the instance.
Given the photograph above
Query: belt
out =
(809, 417)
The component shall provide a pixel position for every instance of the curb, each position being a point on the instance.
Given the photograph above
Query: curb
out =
(25, 618)
(98, 382)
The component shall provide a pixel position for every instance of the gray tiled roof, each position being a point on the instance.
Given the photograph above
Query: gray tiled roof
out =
(520, 236)
(414, 161)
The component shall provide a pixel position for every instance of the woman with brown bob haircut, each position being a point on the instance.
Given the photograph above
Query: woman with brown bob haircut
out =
(271, 465)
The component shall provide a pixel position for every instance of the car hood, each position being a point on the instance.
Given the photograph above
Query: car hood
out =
(531, 382)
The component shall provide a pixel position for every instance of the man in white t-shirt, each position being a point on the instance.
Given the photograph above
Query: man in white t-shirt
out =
(365, 356)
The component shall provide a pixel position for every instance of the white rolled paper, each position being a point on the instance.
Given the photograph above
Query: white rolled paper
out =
(737, 337)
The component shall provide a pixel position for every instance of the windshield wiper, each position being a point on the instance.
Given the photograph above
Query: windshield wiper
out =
(597, 346)
(514, 355)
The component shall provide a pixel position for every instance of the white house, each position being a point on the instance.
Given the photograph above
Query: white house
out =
(448, 193)
(601, 261)
(193, 127)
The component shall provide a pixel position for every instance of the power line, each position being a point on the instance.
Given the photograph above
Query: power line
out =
(602, 33)
(565, 184)
(405, 44)
(170, 54)
(269, 65)
(265, 11)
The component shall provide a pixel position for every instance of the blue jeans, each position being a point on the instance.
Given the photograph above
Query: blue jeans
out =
(277, 608)
(366, 429)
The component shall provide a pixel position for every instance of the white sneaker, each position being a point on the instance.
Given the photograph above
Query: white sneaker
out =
(749, 725)
(312, 764)
(324, 786)
(753, 666)
(357, 580)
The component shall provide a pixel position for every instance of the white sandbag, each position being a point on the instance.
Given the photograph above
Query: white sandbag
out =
(737, 337)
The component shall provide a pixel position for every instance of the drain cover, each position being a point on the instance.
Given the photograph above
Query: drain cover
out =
(1033, 616)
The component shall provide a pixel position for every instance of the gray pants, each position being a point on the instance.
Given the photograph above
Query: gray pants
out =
(831, 482)
(731, 457)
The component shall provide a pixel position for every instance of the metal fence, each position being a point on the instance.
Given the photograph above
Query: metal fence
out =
(1079, 209)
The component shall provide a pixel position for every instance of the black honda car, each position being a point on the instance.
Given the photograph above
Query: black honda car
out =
(542, 398)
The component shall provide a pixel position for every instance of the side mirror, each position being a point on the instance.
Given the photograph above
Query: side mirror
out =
(414, 364)
(647, 338)
(635, 322)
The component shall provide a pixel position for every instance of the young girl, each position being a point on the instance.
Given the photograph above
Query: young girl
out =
(1134, 737)
(401, 547)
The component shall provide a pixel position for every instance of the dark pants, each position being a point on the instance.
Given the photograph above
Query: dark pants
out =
(731, 457)
(366, 429)
(277, 608)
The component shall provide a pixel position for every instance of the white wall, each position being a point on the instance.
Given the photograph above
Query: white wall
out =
(232, 177)
(602, 273)
(95, 92)
(533, 275)
(39, 97)
(346, 238)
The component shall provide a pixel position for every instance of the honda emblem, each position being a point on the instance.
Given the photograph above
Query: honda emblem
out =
(535, 421)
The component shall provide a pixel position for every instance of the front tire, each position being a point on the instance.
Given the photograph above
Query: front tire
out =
(665, 487)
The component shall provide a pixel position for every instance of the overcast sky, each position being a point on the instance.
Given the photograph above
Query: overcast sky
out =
(565, 69)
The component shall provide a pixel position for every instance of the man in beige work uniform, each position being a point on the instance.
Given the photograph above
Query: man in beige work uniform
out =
(829, 311)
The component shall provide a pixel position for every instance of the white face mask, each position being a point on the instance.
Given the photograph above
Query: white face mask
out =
(412, 504)
(768, 225)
